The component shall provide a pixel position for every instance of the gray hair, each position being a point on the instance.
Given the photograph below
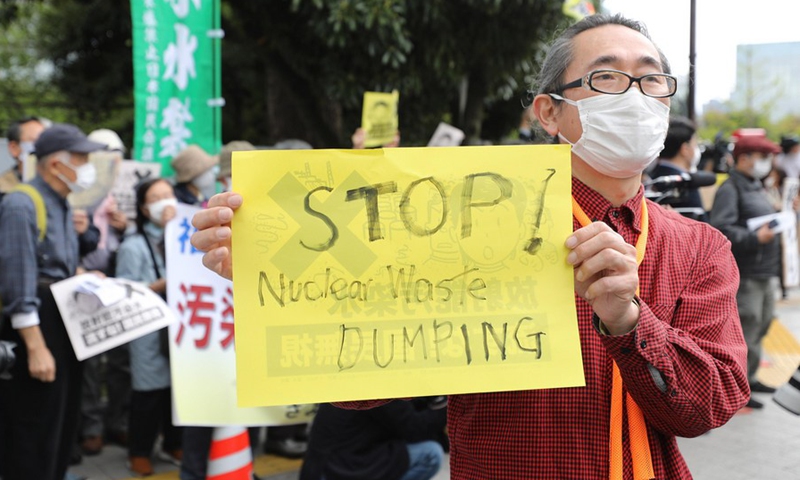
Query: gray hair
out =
(61, 155)
(561, 54)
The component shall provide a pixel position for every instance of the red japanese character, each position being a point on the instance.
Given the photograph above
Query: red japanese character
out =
(227, 318)
(196, 305)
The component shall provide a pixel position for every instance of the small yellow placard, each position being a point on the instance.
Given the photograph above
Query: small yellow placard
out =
(379, 118)
(402, 272)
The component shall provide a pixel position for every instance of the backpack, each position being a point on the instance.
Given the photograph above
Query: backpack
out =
(41, 214)
(38, 204)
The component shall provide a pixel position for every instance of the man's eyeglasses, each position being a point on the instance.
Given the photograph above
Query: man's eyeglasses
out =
(614, 82)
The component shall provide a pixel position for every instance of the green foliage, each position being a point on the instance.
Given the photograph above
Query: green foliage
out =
(717, 122)
(24, 85)
(294, 68)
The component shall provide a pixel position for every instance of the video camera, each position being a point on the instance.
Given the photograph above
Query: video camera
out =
(7, 355)
(672, 190)
(718, 154)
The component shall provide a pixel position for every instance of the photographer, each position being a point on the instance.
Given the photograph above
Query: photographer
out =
(716, 157)
(757, 252)
(680, 155)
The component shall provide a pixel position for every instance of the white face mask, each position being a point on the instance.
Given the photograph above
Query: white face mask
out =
(762, 168)
(85, 176)
(206, 182)
(25, 149)
(156, 209)
(622, 134)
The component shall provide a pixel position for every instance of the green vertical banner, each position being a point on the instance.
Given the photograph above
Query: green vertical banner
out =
(176, 65)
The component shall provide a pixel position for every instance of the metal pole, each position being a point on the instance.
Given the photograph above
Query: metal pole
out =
(692, 28)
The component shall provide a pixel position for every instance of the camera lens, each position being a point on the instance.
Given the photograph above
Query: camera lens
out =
(7, 356)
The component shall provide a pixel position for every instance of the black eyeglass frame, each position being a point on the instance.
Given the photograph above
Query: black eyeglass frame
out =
(586, 80)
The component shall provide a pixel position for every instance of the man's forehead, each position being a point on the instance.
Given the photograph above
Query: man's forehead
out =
(613, 46)
(31, 128)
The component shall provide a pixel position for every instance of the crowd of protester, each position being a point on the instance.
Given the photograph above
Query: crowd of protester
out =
(54, 409)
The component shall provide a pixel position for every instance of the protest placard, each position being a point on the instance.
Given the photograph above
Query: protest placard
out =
(130, 174)
(379, 118)
(102, 313)
(446, 135)
(202, 359)
(403, 272)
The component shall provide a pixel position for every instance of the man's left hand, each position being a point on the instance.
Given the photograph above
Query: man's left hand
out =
(80, 220)
(606, 275)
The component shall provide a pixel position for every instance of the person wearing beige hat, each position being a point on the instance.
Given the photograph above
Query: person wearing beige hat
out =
(194, 175)
(225, 155)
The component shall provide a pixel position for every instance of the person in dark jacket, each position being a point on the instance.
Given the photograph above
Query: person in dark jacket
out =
(757, 251)
(394, 441)
(680, 155)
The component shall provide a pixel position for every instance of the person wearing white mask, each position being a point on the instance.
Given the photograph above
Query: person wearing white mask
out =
(195, 175)
(680, 155)
(21, 135)
(757, 251)
(40, 403)
(789, 159)
(141, 258)
(224, 176)
(654, 291)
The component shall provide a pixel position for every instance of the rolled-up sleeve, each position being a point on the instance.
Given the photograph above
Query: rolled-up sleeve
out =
(18, 266)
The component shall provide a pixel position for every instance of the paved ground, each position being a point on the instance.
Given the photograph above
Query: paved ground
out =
(761, 444)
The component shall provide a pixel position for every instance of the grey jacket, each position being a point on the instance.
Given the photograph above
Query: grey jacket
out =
(738, 199)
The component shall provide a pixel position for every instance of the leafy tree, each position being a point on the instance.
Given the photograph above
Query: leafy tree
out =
(449, 59)
(24, 80)
(298, 68)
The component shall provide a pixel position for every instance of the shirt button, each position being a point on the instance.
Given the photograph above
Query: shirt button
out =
(615, 213)
(643, 344)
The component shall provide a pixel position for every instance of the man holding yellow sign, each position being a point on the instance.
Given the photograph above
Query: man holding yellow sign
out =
(661, 345)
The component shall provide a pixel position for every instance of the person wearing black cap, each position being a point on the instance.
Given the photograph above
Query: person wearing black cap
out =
(757, 251)
(789, 159)
(39, 405)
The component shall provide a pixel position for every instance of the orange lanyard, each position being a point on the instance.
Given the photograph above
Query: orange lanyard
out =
(637, 427)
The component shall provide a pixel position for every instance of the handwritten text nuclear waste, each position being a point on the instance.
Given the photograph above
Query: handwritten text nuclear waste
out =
(490, 327)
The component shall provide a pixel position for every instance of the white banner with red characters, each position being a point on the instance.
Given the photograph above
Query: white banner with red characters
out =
(202, 358)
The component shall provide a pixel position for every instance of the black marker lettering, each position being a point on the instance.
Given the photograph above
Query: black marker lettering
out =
(334, 231)
(405, 209)
(466, 206)
(370, 194)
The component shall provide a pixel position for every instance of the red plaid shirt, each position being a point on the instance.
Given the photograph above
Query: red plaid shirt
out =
(684, 364)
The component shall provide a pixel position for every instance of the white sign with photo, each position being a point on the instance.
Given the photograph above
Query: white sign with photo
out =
(102, 313)
(446, 136)
(130, 174)
(791, 259)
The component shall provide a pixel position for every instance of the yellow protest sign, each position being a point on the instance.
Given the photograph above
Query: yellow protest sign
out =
(379, 118)
(402, 272)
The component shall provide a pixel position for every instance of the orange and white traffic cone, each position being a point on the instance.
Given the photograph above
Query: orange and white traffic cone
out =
(230, 457)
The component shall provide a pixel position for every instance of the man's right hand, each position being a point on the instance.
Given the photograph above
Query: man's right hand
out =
(765, 234)
(41, 364)
(213, 235)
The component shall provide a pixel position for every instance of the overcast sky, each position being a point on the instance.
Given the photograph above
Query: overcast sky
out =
(721, 26)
